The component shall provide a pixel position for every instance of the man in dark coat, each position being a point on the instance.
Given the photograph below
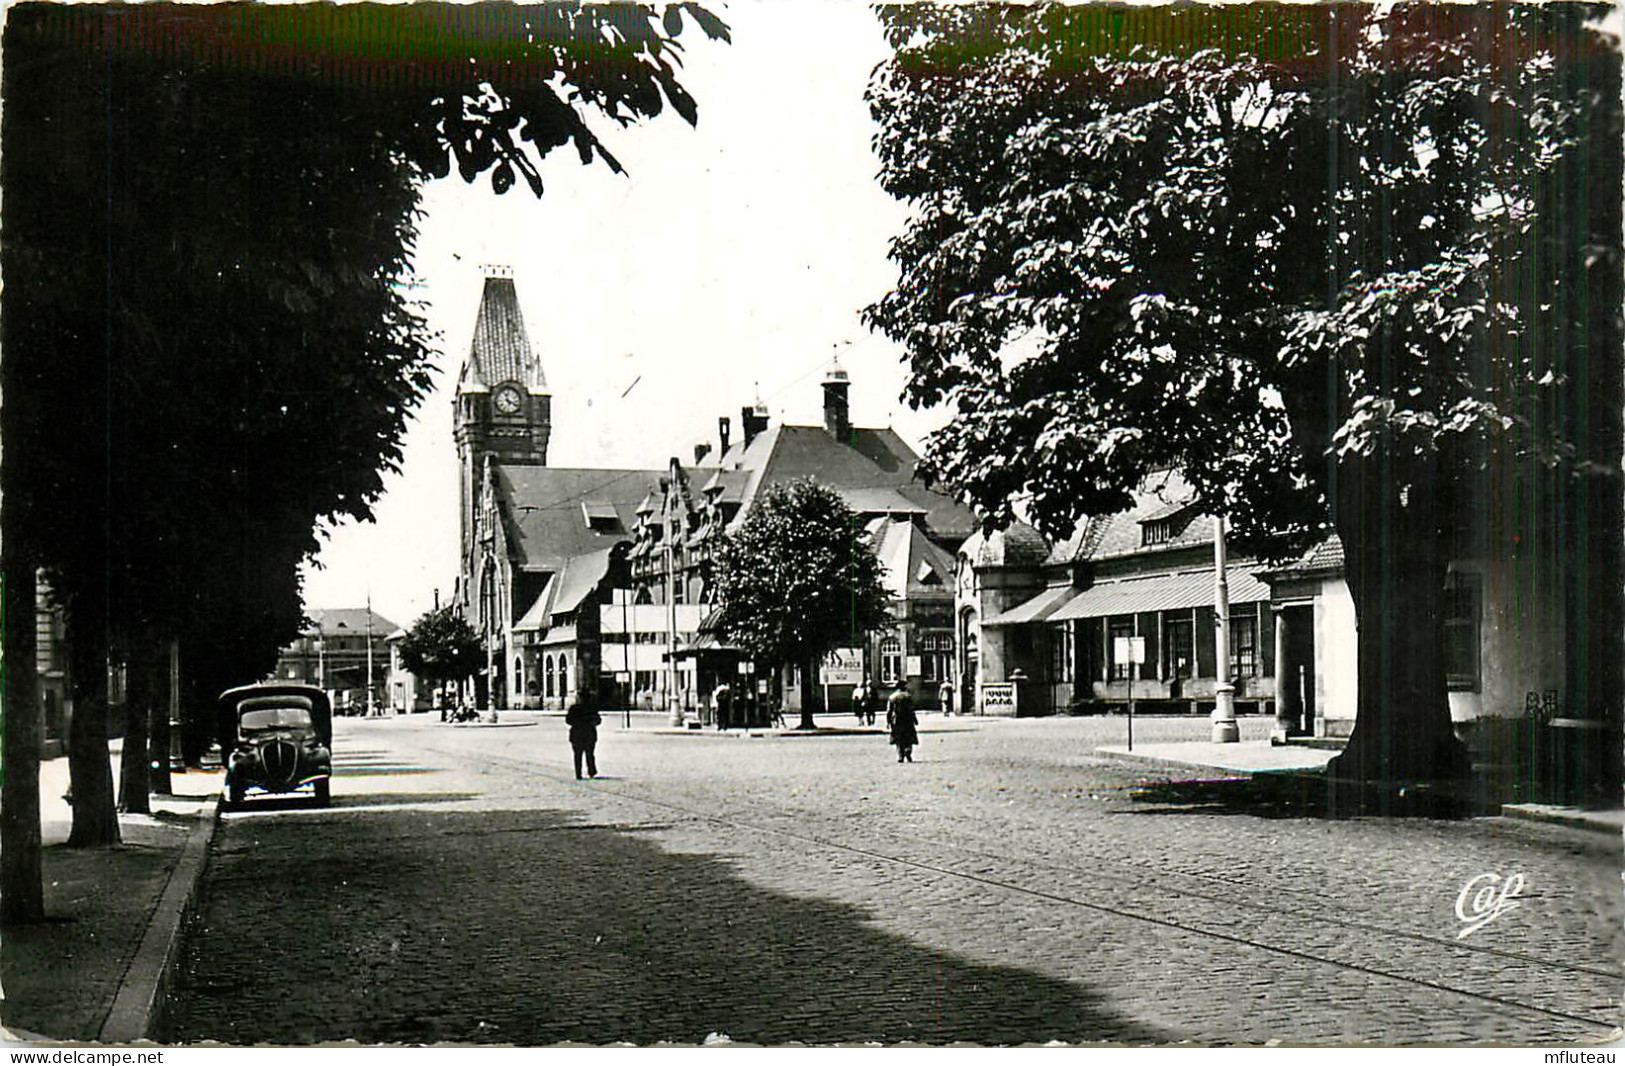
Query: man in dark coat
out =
(901, 723)
(583, 722)
(722, 698)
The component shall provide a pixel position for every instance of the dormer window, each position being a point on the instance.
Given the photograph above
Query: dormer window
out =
(1163, 525)
(1156, 533)
(600, 517)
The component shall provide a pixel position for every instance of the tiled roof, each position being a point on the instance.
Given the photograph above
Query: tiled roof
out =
(1324, 558)
(879, 501)
(1111, 536)
(501, 349)
(347, 621)
(875, 459)
(545, 522)
(1016, 545)
(727, 486)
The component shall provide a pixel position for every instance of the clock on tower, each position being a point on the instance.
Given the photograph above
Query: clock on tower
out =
(508, 400)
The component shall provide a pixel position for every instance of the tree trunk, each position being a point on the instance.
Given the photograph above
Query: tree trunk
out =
(158, 735)
(95, 823)
(22, 896)
(139, 709)
(809, 674)
(1395, 563)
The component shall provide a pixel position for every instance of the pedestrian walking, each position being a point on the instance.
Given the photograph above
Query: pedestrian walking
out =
(902, 724)
(945, 695)
(583, 722)
(860, 698)
(870, 698)
(722, 700)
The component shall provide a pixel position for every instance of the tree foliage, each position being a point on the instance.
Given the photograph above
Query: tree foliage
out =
(209, 345)
(799, 578)
(441, 646)
(1336, 263)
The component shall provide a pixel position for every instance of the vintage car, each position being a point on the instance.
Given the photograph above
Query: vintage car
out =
(277, 738)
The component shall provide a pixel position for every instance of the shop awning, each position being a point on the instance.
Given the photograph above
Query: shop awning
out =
(1037, 609)
(1161, 592)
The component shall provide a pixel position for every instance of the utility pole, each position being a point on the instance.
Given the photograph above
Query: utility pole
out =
(1225, 730)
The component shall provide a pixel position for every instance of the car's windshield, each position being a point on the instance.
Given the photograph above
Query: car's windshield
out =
(276, 717)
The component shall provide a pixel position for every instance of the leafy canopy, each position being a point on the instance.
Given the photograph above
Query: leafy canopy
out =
(207, 329)
(441, 646)
(1253, 244)
(799, 577)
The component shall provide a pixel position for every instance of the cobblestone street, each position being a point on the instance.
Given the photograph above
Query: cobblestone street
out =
(1009, 886)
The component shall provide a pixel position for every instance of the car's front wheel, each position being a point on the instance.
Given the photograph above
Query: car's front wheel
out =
(323, 791)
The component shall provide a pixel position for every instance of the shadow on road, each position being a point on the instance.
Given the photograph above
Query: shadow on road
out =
(301, 802)
(1291, 795)
(530, 927)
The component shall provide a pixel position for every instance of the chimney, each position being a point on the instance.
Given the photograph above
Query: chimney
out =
(752, 421)
(701, 450)
(837, 415)
(724, 427)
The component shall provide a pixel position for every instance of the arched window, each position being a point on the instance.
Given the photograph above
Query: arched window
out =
(518, 676)
(564, 678)
(549, 678)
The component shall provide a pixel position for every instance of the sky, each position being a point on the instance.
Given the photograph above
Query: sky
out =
(733, 256)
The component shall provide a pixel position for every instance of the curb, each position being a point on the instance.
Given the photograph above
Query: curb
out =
(1573, 817)
(1158, 762)
(138, 1007)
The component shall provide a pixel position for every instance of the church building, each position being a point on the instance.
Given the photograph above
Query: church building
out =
(540, 546)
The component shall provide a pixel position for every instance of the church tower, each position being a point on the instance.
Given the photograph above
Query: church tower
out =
(502, 409)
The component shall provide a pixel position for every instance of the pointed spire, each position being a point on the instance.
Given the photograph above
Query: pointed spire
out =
(500, 351)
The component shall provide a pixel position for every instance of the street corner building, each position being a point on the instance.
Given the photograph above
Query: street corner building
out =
(1043, 629)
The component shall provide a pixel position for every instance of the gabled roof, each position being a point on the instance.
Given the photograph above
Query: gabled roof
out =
(874, 460)
(576, 577)
(346, 622)
(580, 576)
(501, 349)
(544, 518)
(913, 562)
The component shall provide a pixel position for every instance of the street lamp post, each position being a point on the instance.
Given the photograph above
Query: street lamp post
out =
(1225, 730)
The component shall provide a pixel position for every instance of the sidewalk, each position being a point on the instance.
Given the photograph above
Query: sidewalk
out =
(1244, 757)
(61, 977)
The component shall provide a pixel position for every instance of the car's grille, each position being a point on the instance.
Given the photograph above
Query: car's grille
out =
(279, 761)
